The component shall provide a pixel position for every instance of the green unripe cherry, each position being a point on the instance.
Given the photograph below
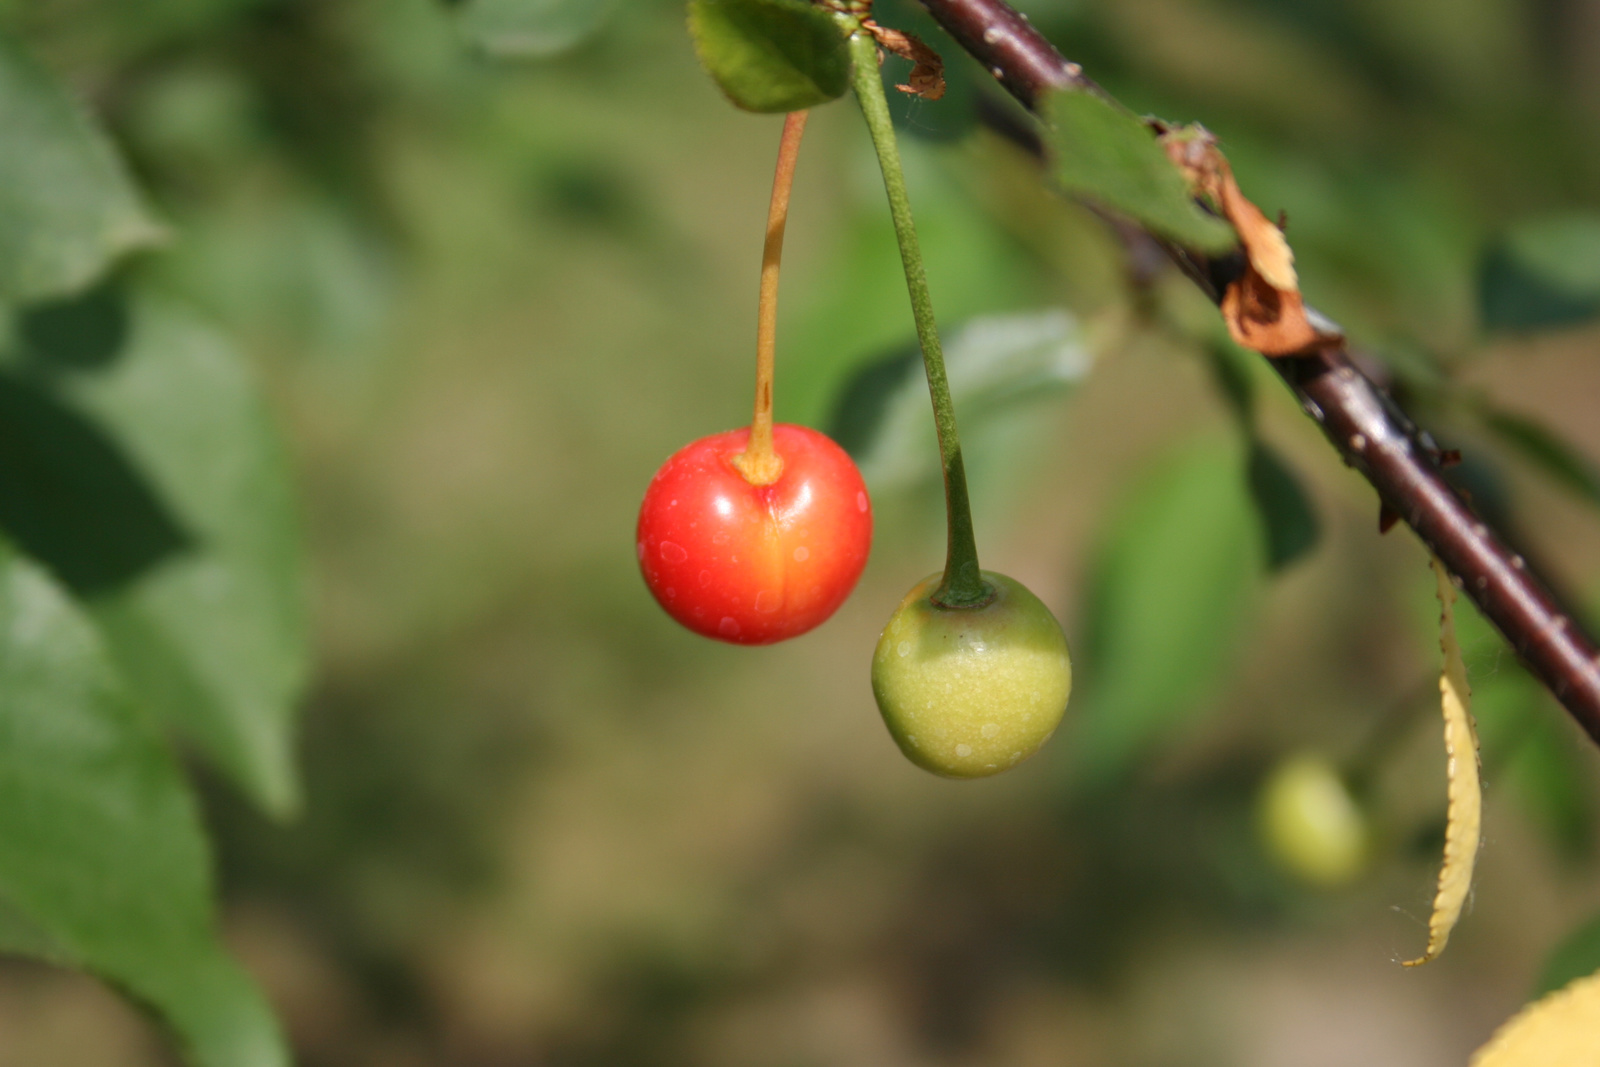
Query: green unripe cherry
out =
(1310, 823)
(968, 692)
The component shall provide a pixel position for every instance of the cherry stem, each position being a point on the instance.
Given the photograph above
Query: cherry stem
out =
(963, 585)
(759, 462)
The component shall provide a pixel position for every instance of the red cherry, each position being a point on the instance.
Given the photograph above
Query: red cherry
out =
(754, 564)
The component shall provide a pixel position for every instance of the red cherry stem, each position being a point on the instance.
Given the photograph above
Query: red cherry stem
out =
(963, 585)
(759, 462)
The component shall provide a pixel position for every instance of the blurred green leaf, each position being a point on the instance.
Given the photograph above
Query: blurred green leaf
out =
(1537, 443)
(1108, 155)
(71, 497)
(1528, 754)
(299, 270)
(208, 620)
(1576, 956)
(1170, 591)
(1542, 275)
(973, 269)
(101, 850)
(67, 205)
(771, 55)
(882, 415)
(534, 29)
(1232, 370)
(1548, 776)
(1288, 520)
(24, 937)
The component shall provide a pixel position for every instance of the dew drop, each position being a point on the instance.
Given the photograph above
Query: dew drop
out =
(963, 751)
(861, 501)
(673, 552)
(767, 601)
(990, 729)
(802, 554)
(705, 579)
(904, 648)
(728, 627)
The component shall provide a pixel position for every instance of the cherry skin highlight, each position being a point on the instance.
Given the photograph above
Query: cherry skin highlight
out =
(754, 564)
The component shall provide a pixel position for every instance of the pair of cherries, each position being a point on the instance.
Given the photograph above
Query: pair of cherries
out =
(966, 692)
(757, 535)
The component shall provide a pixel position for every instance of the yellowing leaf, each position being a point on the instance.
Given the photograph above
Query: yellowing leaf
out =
(1464, 816)
(1560, 1030)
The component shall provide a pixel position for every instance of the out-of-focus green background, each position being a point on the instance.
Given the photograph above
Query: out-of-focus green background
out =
(543, 825)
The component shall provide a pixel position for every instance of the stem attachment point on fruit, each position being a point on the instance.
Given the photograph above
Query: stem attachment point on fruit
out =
(759, 462)
(944, 601)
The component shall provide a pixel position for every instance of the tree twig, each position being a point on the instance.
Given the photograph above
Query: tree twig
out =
(1367, 428)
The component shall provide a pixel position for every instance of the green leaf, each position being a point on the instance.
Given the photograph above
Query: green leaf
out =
(1539, 445)
(1288, 521)
(771, 55)
(102, 858)
(67, 206)
(1110, 156)
(531, 29)
(1170, 591)
(204, 611)
(1542, 275)
(1577, 955)
(994, 364)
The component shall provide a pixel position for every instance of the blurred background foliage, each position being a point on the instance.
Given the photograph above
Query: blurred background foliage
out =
(488, 291)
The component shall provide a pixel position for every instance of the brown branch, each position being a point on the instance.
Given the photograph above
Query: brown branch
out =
(1369, 431)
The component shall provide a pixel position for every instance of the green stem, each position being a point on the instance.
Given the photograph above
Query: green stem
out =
(963, 584)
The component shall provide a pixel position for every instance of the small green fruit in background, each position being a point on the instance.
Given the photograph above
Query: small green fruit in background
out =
(1311, 825)
(969, 692)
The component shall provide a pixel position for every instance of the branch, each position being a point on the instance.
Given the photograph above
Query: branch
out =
(1369, 431)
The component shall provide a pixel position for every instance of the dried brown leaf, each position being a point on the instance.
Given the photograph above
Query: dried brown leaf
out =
(927, 72)
(1265, 244)
(1267, 319)
(1263, 307)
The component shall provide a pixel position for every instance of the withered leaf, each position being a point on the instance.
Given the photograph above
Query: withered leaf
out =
(1263, 307)
(927, 72)
(1269, 320)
